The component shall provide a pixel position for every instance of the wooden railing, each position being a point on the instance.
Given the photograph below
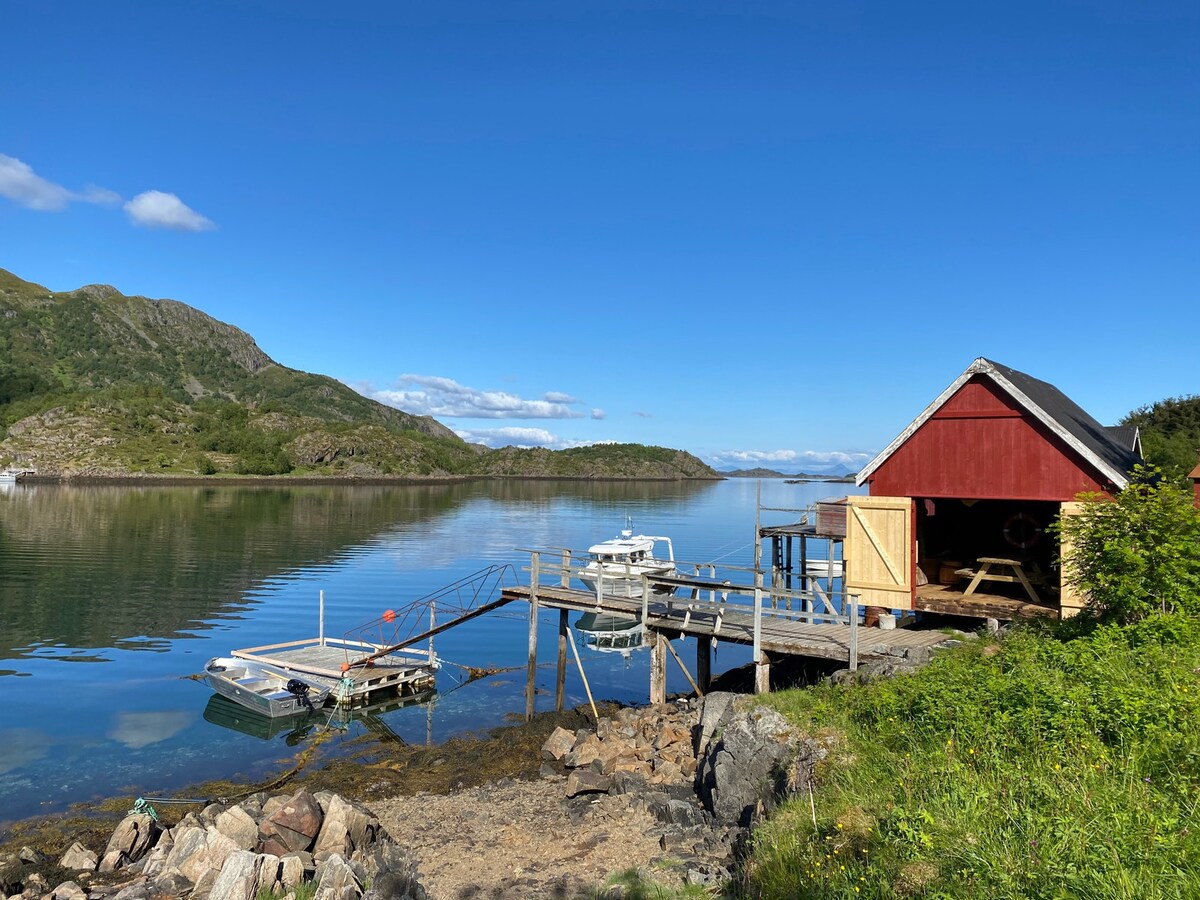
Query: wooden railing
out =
(710, 595)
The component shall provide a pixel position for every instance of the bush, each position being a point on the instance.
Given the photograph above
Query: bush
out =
(1137, 554)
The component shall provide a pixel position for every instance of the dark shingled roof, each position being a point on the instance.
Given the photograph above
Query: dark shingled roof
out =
(1066, 412)
(1125, 435)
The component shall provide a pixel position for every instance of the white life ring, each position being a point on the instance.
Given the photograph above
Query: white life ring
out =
(1021, 530)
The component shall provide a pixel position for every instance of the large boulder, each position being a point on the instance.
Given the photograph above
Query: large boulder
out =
(336, 880)
(745, 766)
(68, 890)
(239, 826)
(79, 858)
(390, 872)
(294, 825)
(12, 874)
(559, 744)
(238, 879)
(198, 852)
(346, 828)
(129, 842)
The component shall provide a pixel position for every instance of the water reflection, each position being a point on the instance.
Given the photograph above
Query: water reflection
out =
(141, 729)
(146, 583)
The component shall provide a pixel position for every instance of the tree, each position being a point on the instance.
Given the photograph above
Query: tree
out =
(1137, 554)
(1170, 434)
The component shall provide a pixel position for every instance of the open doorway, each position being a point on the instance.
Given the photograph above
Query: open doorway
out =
(986, 557)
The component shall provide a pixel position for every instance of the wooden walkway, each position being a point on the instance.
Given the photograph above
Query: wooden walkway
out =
(735, 623)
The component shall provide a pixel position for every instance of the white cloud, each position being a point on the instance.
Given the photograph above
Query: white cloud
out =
(432, 395)
(598, 414)
(100, 196)
(521, 437)
(150, 209)
(19, 183)
(157, 209)
(819, 457)
(509, 437)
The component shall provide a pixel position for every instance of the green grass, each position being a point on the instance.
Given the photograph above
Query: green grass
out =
(1039, 767)
(634, 884)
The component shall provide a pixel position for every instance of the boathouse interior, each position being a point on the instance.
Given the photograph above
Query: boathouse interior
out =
(953, 534)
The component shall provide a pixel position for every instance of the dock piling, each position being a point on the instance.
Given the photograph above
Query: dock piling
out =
(531, 677)
(658, 669)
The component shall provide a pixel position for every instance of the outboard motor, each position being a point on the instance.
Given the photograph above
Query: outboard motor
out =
(299, 689)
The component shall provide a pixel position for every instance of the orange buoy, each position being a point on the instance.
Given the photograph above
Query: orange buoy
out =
(345, 668)
(389, 616)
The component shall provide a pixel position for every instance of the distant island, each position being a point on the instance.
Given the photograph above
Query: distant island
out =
(94, 383)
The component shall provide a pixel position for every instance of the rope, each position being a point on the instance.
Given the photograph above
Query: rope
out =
(141, 807)
(731, 552)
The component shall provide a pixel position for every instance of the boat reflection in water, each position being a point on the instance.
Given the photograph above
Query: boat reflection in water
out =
(224, 712)
(607, 633)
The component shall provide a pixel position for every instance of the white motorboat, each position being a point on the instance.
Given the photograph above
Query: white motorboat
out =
(12, 476)
(615, 567)
(264, 689)
(819, 568)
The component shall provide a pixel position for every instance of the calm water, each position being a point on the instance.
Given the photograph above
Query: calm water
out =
(111, 596)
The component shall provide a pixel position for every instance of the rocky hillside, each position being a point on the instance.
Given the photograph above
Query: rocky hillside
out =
(597, 461)
(93, 382)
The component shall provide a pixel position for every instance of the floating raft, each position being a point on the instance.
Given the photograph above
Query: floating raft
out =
(322, 659)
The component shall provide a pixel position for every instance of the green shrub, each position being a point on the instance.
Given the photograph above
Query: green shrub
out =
(1136, 555)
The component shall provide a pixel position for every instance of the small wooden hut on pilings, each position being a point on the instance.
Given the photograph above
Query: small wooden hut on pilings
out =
(794, 564)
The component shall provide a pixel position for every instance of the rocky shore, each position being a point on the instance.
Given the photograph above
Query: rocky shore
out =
(670, 791)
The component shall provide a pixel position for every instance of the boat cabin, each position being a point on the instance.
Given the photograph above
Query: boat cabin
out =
(631, 549)
(960, 502)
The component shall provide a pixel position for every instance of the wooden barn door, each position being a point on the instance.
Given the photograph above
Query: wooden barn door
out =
(1070, 602)
(879, 551)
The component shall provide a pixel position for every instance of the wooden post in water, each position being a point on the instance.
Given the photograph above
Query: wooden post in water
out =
(757, 525)
(762, 665)
(531, 677)
(658, 669)
(703, 662)
(432, 626)
(560, 680)
(321, 622)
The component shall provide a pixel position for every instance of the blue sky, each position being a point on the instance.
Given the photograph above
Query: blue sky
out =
(767, 233)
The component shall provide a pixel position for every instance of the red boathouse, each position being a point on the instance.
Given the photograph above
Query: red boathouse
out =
(956, 521)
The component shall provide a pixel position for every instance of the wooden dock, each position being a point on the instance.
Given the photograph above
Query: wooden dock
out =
(779, 634)
(774, 620)
(323, 658)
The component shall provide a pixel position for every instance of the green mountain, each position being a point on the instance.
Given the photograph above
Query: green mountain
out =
(93, 382)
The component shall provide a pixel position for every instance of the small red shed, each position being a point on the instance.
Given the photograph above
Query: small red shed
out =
(1195, 476)
(960, 501)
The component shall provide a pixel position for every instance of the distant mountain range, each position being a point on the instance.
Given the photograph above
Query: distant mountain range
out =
(837, 471)
(93, 382)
